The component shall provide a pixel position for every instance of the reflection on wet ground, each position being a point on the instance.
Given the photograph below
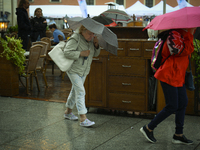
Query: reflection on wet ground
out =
(57, 90)
(27, 124)
(35, 122)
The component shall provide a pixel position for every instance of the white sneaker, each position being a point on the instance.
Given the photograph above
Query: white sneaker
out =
(70, 116)
(87, 123)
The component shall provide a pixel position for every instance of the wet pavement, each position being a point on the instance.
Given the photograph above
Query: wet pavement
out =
(36, 122)
(57, 91)
(39, 125)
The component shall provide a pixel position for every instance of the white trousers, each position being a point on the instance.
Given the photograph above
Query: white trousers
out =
(77, 93)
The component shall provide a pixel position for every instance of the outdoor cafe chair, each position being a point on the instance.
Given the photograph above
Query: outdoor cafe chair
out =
(46, 39)
(48, 59)
(41, 61)
(60, 37)
(30, 68)
(67, 32)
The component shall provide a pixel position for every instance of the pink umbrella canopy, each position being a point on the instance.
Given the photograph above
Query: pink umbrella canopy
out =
(188, 17)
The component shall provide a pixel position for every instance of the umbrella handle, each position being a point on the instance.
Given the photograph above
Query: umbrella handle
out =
(85, 58)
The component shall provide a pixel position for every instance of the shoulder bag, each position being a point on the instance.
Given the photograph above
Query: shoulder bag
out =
(57, 55)
(189, 81)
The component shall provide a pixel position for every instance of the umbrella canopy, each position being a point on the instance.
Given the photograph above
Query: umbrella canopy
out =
(105, 21)
(107, 39)
(117, 15)
(188, 17)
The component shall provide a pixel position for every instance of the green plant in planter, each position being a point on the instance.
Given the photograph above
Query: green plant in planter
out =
(13, 51)
(196, 58)
(12, 29)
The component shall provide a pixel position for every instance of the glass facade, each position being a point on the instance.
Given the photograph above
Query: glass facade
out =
(90, 2)
(55, 0)
(149, 3)
(120, 2)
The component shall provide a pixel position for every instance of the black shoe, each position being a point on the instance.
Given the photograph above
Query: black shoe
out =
(181, 140)
(149, 135)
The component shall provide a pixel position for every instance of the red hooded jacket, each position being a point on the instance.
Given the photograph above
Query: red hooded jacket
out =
(179, 45)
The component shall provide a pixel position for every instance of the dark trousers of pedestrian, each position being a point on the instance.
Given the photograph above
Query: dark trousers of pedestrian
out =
(176, 102)
(25, 41)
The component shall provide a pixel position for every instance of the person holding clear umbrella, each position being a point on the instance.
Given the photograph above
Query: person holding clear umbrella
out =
(82, 46)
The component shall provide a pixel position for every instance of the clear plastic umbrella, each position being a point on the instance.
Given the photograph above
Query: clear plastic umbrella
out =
(117, 15)
(107, 39)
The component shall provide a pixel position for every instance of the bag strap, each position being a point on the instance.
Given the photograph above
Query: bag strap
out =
(164, 35)
(77, 43)
(64, 46)
(165, 59)
(190, 66)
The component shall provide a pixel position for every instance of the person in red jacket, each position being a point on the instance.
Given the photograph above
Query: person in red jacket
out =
(171, 73)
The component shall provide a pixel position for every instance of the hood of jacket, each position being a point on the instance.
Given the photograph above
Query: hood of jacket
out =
(20, 10)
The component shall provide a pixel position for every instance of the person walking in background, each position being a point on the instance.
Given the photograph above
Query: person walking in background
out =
(120, 24)
(82, 46)
(38, 24)
(24, 26)
(171, 74)
(56, 32)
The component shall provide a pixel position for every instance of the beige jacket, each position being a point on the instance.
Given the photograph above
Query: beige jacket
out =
(72, 50)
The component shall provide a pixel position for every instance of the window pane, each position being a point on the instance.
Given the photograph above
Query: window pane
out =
(149, 3)
(90, 2)
(120, 2)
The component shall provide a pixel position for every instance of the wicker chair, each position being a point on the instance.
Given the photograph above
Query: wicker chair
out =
(30, 68)
(41, 61)
(47, 40)
(67, 32)
(60, 37)
(48, 59)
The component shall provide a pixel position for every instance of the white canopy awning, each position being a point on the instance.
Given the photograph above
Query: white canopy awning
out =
(158, 9)
(56, 11)
(138, 9)
(60, 11)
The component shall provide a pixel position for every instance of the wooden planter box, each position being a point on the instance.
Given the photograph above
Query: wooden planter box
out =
(9, 80)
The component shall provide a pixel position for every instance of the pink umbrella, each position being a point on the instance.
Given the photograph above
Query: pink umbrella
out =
(188, 17)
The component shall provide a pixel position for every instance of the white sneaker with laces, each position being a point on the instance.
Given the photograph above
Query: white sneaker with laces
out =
(71, 116)
(87, 123)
